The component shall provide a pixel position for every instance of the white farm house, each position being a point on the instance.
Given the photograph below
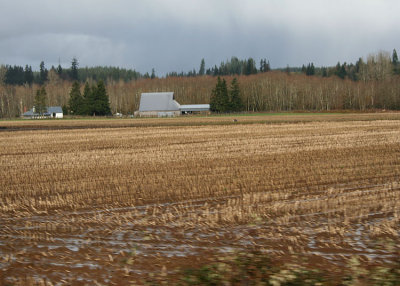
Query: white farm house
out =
(52, 112)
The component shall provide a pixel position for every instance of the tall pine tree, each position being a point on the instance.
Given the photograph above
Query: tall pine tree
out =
(88, 100)
(40, 101)
(236, 102)
(264, 66)
(214, 100)
(224, 98)
(43, 73)
(250, 67)
(101, 104)
(28, 74)
(219, 101)
(74, 69)
(75, 102)
(59, 70)
(310, 70)
(395, 62)
(202, 67)
(395, 58)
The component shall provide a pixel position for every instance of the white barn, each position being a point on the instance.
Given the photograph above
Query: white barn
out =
(163, 104)
(158, 104)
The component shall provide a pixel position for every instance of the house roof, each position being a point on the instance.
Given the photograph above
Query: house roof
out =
(54, 109)
(158, 101)
(50, 110)
(30, 113)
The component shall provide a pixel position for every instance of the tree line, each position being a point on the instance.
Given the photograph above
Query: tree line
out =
(18, 75)
(361, 70)
(377, 87)
(234, 66)
(272, 91)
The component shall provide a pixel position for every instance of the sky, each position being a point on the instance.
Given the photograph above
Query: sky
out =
(174, 35)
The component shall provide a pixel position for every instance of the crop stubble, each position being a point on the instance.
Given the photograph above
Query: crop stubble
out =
(114, 204)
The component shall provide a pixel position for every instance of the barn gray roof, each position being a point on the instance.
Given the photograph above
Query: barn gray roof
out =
(158, 101)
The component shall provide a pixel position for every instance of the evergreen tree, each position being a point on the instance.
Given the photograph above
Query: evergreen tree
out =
(43, 73)
(224, 101)
(153, 74)
(59, 71)
(14, 75)
(223, 69)
(236, 67)
(75, 102)
(395, 59)
(101, 104)
(202, 67)
(215, 71)
(28, 74)
(340, 70)
(310, 70)
(352, 72)
(88, 100)
(40, 101)
(219, 101)
(343, 71)
(65, 109)
(395, 62)
(74, 69)
(264, 66)
(250, 67)
(236, 103)
(214, 106)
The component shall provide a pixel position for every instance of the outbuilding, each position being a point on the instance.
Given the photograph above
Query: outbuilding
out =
(194, 108)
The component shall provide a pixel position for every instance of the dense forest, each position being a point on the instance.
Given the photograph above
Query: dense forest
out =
(371, 83)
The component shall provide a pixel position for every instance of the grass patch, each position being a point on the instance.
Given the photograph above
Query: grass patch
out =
(256, 268)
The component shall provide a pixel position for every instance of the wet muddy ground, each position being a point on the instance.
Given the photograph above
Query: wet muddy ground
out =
(126, 244)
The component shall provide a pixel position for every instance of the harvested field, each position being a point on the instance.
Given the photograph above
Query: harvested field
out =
(111, 201)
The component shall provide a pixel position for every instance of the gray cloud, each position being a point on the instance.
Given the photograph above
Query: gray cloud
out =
(174, 35)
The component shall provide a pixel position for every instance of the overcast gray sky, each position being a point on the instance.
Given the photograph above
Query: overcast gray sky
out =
(174, 35)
